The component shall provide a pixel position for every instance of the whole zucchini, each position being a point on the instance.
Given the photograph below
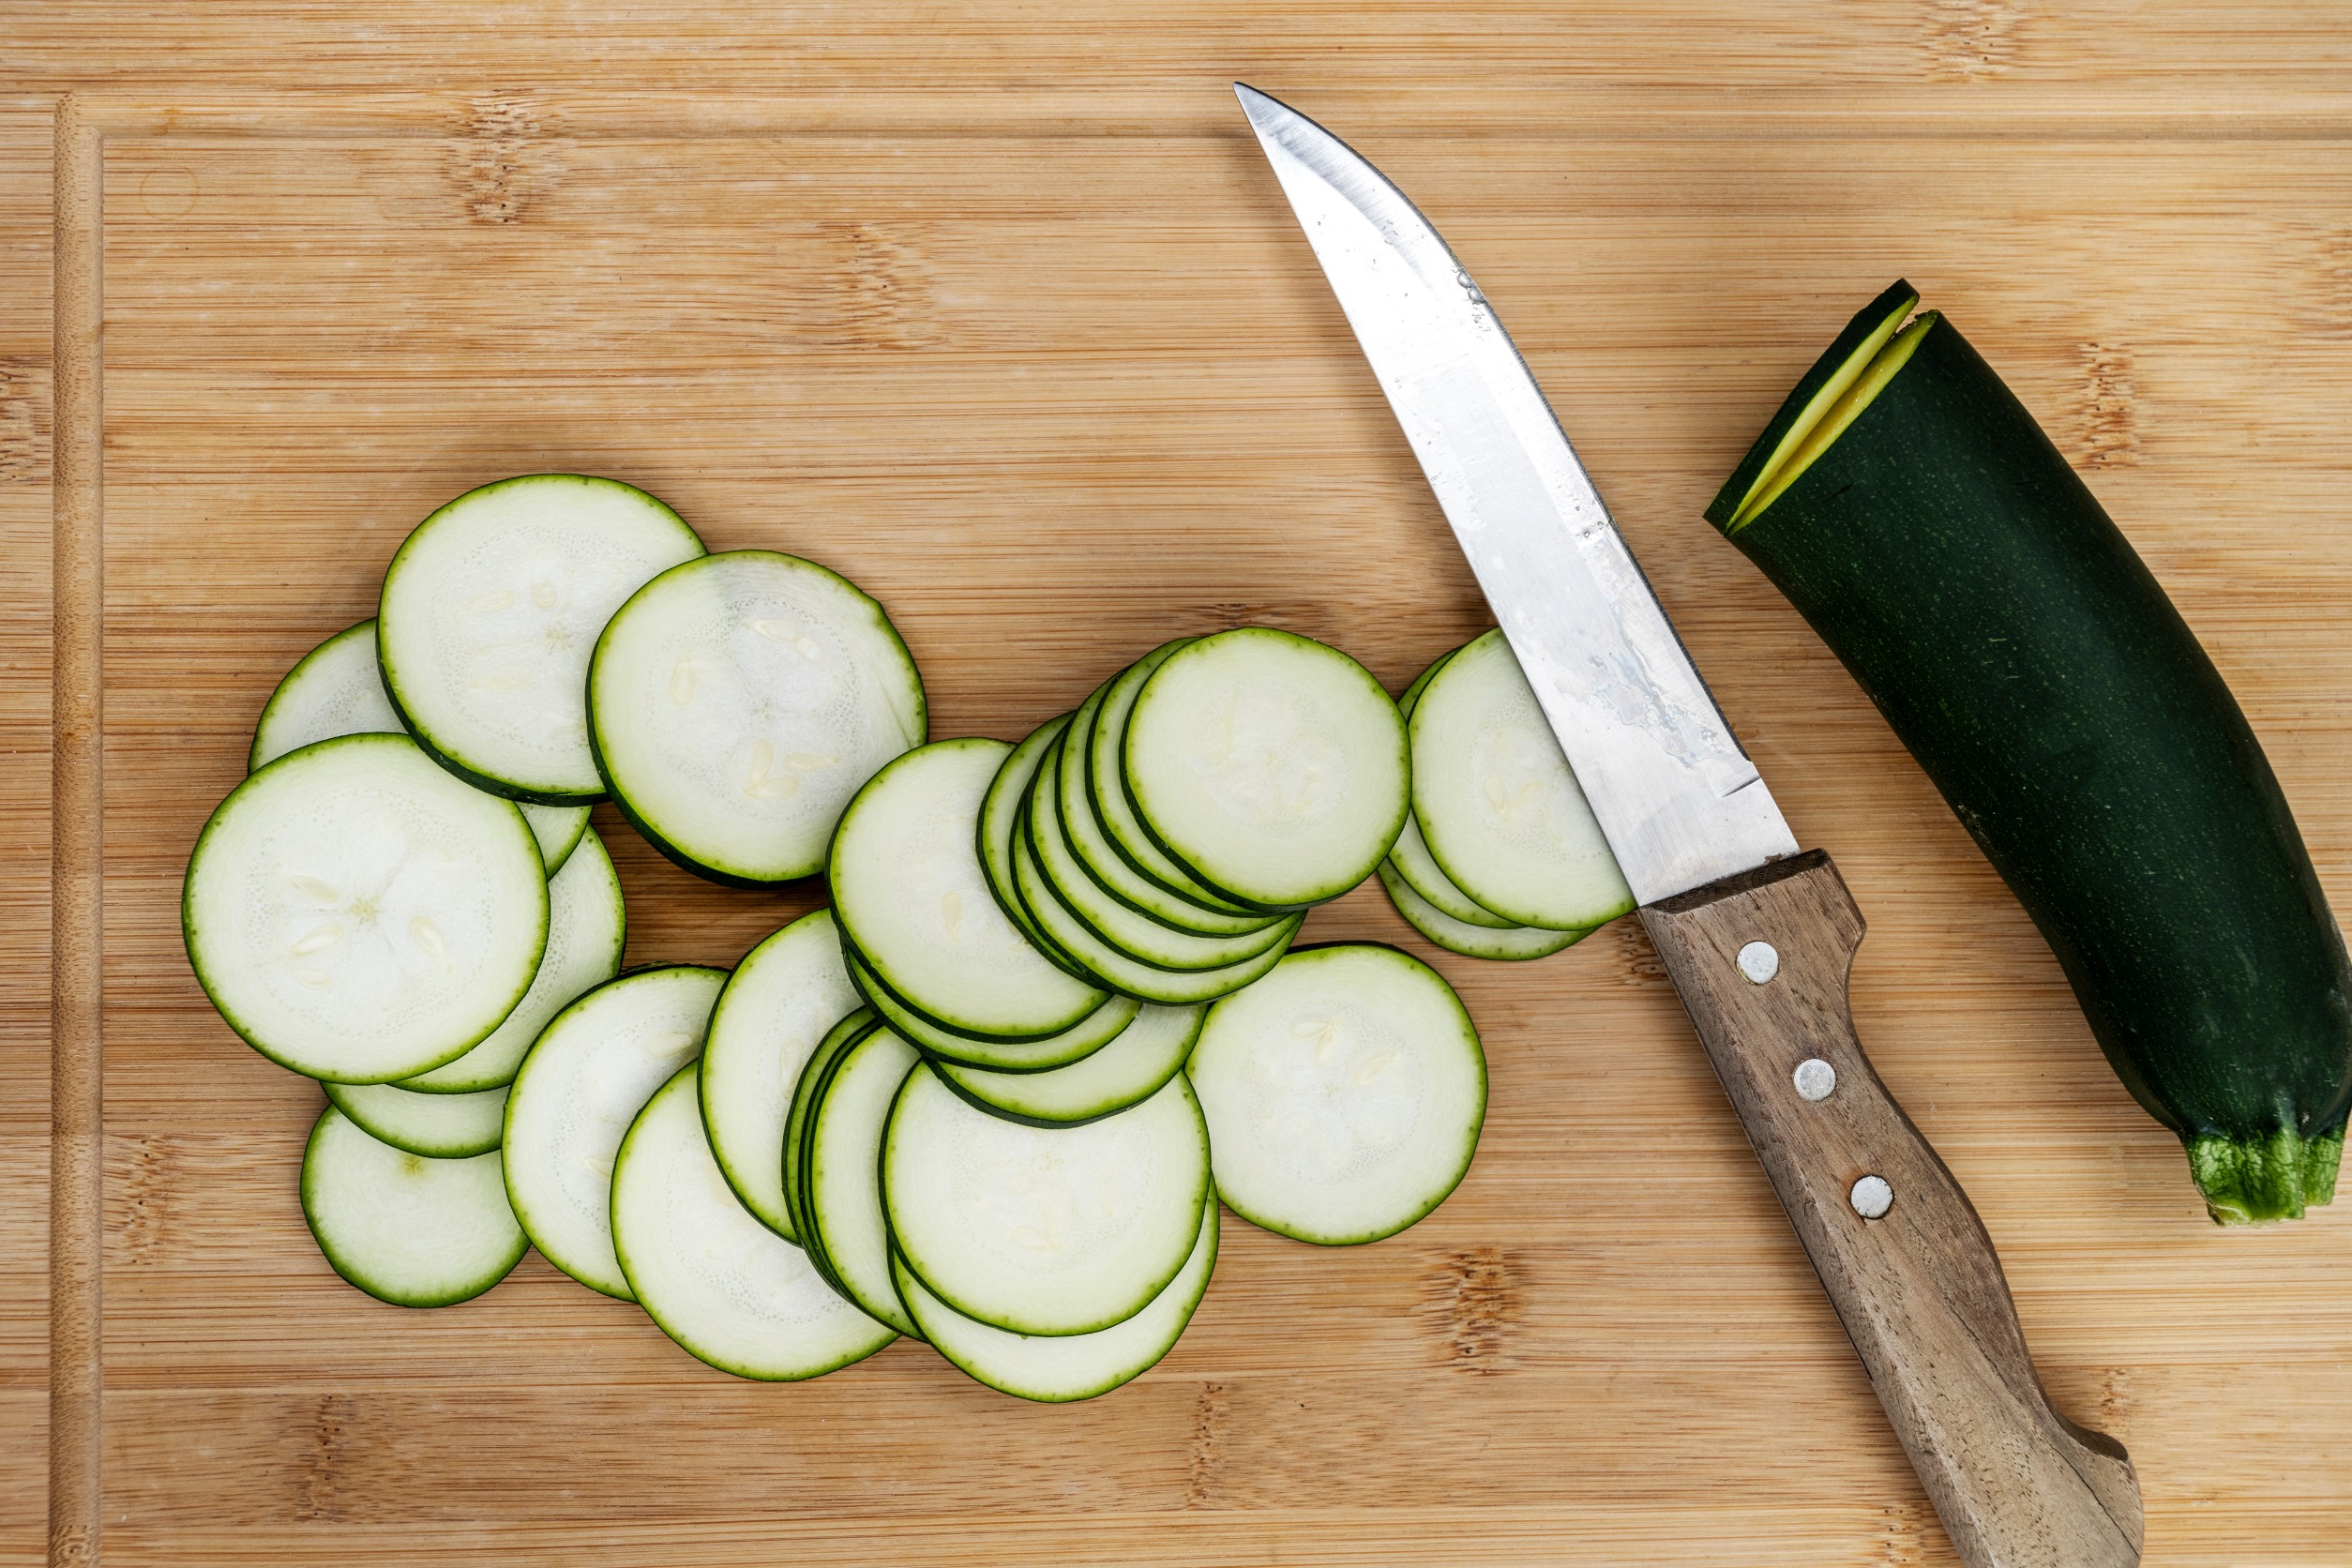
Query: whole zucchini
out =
(1927, 529)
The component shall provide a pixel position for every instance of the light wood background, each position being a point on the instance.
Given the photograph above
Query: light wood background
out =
(994, 307)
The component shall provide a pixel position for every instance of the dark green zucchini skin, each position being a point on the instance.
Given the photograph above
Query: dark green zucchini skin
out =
(2019, 647)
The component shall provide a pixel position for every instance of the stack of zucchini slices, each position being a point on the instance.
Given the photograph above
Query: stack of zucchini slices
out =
(1500, 857)
(991, 1097)
(1051, 1234)
(405, 892)
(1010, 908)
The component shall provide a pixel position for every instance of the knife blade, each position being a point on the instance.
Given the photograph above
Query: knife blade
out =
(1676, 795)
(1758, 937)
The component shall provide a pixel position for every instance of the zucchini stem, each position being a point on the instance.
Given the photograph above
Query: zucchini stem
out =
(2255, 1180)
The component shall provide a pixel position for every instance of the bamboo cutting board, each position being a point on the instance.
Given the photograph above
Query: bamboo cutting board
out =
(999, 314)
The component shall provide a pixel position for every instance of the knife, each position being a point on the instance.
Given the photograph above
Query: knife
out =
(1758, 937)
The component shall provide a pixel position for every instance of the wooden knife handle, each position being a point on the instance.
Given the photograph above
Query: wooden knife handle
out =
(1761, 960)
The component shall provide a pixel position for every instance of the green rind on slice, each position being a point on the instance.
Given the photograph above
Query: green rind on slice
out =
(807, 1088)
(727, 1288)
(1100, 861)
(406, 1229)
(1412, 693)
(1043, 1230)
(1511, 942)
(586, 932)
(1499, 809)
(1409, 858)
(356, 914)
(332, 690)
(913, 900)
(1829, 376)
(592, 1071)
(336, 689)
(738, 701)
(1344, 1094)
(1057, 1369)
(439, 1126)
(800, 1163)
(559, 830)
(1114, 806)
(490, 611)
(1128, 1071)
(783, 999)
(1269, 767)
(1106, 920)
(1000, 811)
(1074, 1044)
(1115, 971)
(843, 1199)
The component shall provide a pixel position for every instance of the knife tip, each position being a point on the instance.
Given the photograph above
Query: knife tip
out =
(1259, 106)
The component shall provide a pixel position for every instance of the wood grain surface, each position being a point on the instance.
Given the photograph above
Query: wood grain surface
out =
(993, 308)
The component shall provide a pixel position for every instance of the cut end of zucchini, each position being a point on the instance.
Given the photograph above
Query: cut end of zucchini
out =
(1823, 386)
(2259, 1180)
(1834, 423)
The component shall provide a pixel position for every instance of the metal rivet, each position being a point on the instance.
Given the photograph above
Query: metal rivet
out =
(1760, 961)
(1872, 1197)
(1816, 1080)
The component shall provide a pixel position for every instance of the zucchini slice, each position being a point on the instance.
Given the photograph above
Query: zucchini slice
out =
(1128, 1071)
(490, 610)
(1116, 969)
(1413, 864)
(738, 701)
(406, 1229)
(2003, 624)
(1000, 812)
(439, 1126)
(1271, 767)
(336, 689)
(806, 1090)
(1092, 852)
(1054, 1369)
(842, 1148)
(912, 899)
(1501, 812)
(1459, 936)
(559, 830)
(587, 927)
(1412, 693)
(729, 1289)
(1344, 1093)
(1114, 807)
(1408, 859)
(592, 1071)
(1106, 920)
(786, 996)
(1083, 1038)
(357, 914)
(1043, 1230)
